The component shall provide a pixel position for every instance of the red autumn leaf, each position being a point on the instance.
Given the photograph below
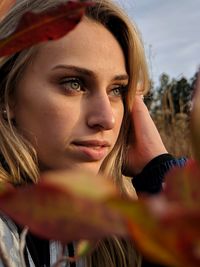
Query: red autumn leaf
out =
(166, 227)
(164, 233)
(183, 185)
(50, 25)
(172, 235)
(147, 232)
(5, 6)
(65, 206)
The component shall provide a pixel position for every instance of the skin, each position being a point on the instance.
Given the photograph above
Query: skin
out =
(69, 102)
(145, 140)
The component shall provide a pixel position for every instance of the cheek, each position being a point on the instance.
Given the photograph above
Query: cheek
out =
(45, 120)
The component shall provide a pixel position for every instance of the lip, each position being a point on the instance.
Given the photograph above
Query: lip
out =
(93, 150)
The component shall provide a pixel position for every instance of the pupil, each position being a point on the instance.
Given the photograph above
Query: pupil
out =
(75, 85)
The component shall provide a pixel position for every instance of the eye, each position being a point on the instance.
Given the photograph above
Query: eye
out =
(72, 85)
(119, 91)
(75, 85)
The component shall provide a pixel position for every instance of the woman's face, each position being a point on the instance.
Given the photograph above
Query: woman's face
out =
(69, 102)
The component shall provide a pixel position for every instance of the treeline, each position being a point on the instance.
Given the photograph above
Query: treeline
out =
(170, 104)
(171, 96)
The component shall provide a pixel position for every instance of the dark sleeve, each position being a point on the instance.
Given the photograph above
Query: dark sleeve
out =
(152, 176)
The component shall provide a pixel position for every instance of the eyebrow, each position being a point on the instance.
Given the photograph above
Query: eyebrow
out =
(86, 72)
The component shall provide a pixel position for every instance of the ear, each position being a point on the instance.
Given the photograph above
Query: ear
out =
(6, 113)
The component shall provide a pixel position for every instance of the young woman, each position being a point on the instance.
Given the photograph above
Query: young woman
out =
(67, 103)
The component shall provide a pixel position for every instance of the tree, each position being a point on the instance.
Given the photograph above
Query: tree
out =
(173, 96)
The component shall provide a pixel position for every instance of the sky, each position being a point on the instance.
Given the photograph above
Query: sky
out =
(170, 30)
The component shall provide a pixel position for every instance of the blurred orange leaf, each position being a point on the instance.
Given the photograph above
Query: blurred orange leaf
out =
(183, 185)
(72, 206)
(147, 231)
(65, 206)
(5, 6)
(166, 227)
(39, 27)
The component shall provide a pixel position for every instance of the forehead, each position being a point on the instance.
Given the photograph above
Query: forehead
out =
(89, 45)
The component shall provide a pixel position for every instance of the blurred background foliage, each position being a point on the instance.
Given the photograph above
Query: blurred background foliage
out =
(170, 103)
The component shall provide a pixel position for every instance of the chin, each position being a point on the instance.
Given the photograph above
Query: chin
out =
(92, 167)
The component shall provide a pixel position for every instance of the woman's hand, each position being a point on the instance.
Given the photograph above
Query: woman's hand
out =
(145, 141)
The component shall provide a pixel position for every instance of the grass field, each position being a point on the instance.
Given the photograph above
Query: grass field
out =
(175, 133)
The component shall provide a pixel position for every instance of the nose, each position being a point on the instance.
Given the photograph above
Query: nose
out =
(100, 114)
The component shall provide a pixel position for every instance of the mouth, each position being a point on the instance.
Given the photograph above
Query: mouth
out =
(92, 150)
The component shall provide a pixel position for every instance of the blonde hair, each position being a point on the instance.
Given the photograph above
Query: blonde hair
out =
(19, 157)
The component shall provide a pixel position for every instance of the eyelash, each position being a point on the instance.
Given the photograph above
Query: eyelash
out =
(122, 89)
